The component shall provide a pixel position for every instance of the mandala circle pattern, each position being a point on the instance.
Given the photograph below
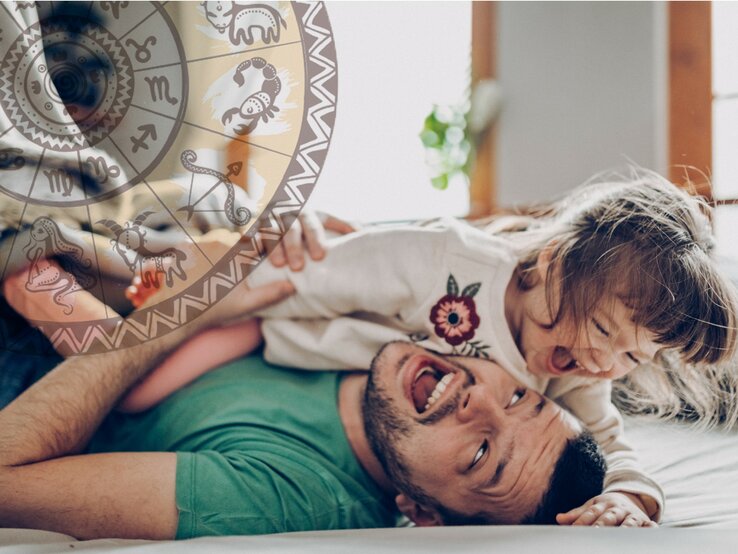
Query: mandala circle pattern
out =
(66, 79)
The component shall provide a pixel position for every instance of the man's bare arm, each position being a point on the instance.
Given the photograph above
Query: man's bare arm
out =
(95, 495)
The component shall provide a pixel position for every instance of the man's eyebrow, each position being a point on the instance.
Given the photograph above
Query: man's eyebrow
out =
(498, 474)
(501, 465)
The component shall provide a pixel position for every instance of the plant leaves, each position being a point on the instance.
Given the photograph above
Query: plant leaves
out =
(452, 286)
(440, 182)
(429, 138)
(471, 290)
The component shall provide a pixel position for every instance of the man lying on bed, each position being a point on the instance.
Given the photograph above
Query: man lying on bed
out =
(251, 448)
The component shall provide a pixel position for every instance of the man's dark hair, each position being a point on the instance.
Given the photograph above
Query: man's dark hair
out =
(577, 477)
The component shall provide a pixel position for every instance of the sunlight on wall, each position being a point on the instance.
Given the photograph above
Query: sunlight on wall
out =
(394, 63)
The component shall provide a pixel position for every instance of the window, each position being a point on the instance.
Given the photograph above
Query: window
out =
(394, 63)
(725, 124)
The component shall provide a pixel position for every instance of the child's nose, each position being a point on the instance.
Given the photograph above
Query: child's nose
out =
(601, 361)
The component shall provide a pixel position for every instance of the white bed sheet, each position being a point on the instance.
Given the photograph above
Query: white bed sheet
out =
(699, 472)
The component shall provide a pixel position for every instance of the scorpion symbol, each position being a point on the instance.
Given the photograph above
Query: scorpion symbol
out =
(257, 105)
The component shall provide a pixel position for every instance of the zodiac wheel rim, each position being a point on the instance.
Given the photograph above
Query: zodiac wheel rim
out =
(311, 34)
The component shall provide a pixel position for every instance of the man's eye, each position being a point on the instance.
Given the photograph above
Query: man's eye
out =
(480, 453)
(600, 328)
(517, 395)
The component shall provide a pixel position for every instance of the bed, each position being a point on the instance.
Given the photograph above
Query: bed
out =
(698, 470)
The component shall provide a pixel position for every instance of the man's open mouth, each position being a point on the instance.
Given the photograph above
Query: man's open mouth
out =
(561, 361)
(428, 381)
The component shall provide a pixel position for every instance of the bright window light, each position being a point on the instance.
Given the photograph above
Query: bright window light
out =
(395, 61)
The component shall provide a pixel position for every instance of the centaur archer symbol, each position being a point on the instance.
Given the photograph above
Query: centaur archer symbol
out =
(237, 216)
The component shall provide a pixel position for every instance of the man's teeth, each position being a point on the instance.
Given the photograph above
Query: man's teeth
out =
(438, 391)
(423, 372)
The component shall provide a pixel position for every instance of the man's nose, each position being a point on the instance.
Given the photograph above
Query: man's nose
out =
(478, 403)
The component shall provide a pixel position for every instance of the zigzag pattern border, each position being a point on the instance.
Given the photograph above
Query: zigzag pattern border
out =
(299, 180)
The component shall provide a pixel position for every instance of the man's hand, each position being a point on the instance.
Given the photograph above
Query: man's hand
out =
(610, 509)
(307, 233)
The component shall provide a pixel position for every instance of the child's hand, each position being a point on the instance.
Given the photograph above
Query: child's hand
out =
(309, 228)
(610, 509)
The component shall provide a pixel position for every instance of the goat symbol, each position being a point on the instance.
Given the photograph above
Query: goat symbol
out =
(130, 244)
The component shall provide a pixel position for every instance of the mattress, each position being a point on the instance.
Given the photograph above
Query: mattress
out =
(698, 471)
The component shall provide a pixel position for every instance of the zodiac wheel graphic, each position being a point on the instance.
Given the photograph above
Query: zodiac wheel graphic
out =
(131, 130)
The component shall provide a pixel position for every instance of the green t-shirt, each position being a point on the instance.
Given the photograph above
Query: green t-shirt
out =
(260, 449)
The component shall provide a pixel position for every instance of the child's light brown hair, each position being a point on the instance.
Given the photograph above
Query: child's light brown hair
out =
(640, 239)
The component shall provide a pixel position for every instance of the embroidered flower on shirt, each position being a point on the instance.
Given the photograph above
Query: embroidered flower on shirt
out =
(455, 318)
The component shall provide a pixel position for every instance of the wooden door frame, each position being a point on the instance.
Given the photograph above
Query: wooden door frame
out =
(483, 185)
(690, 95)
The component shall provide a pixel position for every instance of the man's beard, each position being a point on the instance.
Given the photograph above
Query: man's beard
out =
(385, 430)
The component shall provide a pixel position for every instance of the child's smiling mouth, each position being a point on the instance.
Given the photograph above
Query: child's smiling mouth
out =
(561, 361)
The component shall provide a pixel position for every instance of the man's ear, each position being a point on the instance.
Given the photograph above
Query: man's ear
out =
(420, 515)
(544, 259)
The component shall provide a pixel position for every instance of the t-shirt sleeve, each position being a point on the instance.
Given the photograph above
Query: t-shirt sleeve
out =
(385, 271)
(239, 494)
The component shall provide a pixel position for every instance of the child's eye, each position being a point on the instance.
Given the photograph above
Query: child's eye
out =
(600, 328)
(633, 358)
(480, 453)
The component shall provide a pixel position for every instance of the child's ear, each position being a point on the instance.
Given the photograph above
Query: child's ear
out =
(420, 515)
(544, 259)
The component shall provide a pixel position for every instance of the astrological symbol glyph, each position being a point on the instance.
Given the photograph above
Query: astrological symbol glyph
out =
(11, 158)
(159, 85)
(59, 181)
(142, 53)
(148, 130)
(100, 169)
(113, 7)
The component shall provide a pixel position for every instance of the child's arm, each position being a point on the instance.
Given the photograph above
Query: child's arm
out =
(203, 352)
(628, 490)
(387, 271)
(206, 351)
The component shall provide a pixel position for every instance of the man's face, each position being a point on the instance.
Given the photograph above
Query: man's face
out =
(484, 445)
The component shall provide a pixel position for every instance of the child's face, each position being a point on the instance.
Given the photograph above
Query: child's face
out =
(607, 346)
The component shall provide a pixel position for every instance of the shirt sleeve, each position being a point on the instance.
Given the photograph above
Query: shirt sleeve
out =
(388, 271)
(590, 402)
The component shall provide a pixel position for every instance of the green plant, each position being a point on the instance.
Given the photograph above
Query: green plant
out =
(447, 143)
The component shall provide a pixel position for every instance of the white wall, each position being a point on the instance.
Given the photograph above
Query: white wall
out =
(584, 87)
